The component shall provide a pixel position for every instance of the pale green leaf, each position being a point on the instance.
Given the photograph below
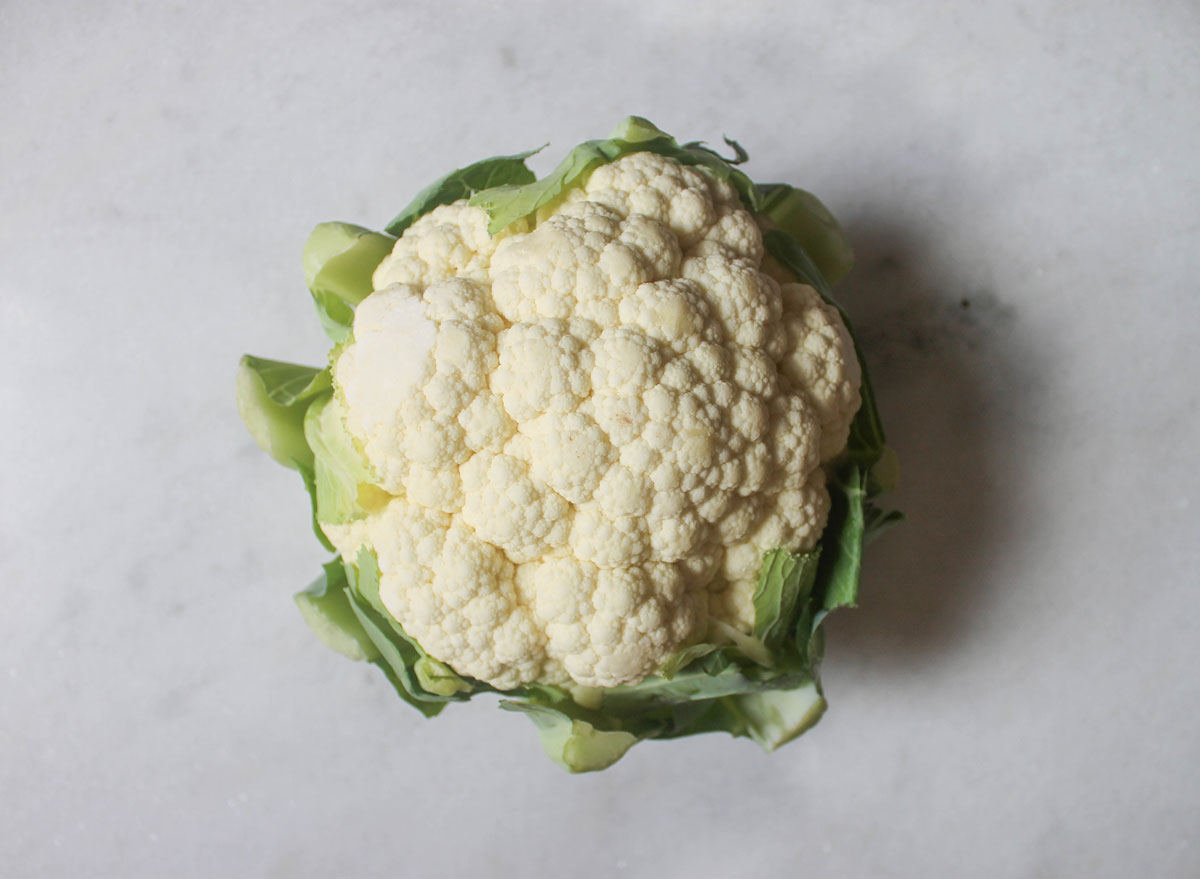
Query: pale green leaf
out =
(842, 540)
(438, 678)
(339, 260)
(344, 483)
(775, 717)
(784, 583)
(575, 745)
(463, 183)
(802, 216)
(397, 659)
(272, 398)
(327, 610)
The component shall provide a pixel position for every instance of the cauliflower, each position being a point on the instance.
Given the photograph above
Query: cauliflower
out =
(581, 408)
(576, 437)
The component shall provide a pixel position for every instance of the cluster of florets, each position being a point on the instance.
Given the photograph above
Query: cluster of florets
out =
(591, 431)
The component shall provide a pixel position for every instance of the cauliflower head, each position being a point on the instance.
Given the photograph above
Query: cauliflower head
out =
(591, 432)
(600, 441)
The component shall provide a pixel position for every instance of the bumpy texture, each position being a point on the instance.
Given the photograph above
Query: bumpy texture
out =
(592, 431)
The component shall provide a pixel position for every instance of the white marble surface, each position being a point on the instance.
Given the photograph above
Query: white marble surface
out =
(1018, 695)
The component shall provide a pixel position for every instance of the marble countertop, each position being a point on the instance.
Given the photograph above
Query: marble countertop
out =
(1018, 693)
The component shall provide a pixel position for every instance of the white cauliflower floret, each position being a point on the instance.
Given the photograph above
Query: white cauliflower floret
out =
(542, 368)
(734, 604)
(573, 265)
(674, 312)
(390, 328)
(510, 509)
(747, 302)
(592, 430)
(455, 594)
(569, 453)
(450, 241)
(734, 234)
(600, 622)
(646, 184)
(818, 363)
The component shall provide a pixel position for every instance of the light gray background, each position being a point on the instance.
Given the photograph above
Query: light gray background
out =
(1018, 694)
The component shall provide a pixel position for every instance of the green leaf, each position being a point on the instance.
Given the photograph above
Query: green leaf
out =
(397, 659)
(802, 216)
(363, 577)
(747, 645)
(775, 717)
(792, 256)
(339, 260)
(310, 485)
(866, 444)
(463, 183)
(842, 540)
(438, 678)
(507, 204)
(740, 155)
(272, 398)
(287, 384)
(327, 610)
(638, 130)
(511, 203)
(344, 484)
(575, 745)
(713, 693)
(700, 681)
(784, 583)
(682, 658)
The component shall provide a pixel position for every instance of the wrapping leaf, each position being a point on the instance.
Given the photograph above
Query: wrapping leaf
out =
(308, 474)
(802, 216)
(842, 540)
(339, 260)
(397, 659)
(720, 689)
(439, 679)
(575, 745)
(775, 717)
(463, 183)
(681, 659)
(786, 580)
(342, 478)
(272, 397)
(327, 610)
